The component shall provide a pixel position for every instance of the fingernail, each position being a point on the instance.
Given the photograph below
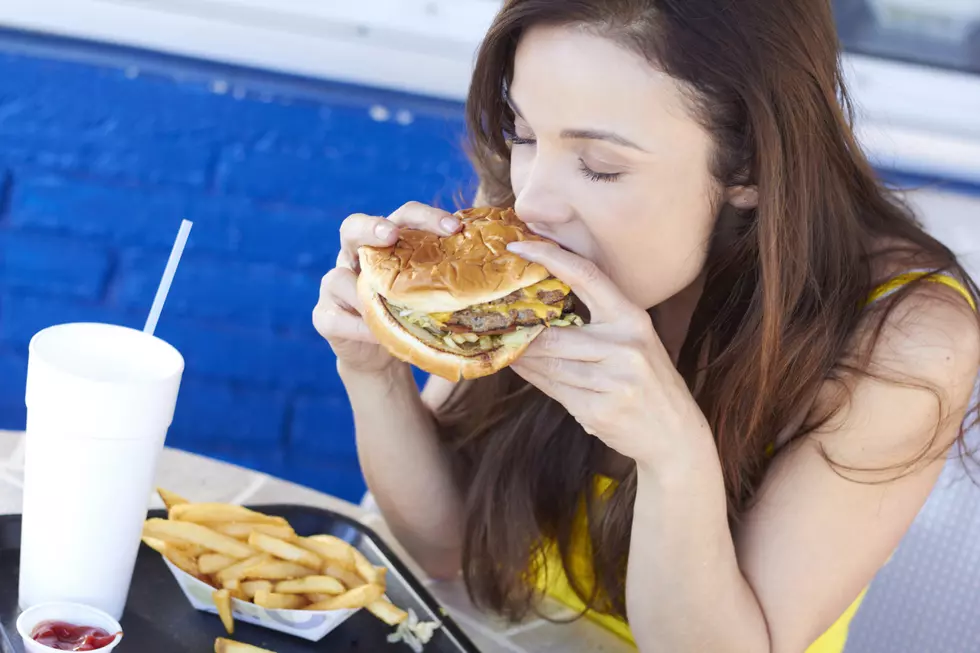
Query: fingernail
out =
(449, 225)
(383, 230)
(516, 247)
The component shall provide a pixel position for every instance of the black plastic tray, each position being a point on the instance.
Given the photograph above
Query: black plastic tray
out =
(158, 618)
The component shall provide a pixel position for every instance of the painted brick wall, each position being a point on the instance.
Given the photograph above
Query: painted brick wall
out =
(99, 163)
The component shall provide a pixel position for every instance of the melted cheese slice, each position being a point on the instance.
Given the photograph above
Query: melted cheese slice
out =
(546, 285)
(530, 302)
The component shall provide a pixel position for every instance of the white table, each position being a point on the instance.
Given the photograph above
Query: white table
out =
(204, 479)
(924, 600)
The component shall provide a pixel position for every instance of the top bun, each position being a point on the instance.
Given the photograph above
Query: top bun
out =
(431, 273)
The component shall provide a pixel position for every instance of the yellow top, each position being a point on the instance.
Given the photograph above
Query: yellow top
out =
(552, 579)
(895, 283)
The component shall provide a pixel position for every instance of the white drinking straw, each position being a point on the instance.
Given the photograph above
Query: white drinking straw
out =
(168, 277)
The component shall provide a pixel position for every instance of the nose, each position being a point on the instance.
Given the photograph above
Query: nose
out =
(540, 207)
(539, 202)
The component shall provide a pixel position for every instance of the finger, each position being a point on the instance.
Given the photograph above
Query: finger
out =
(565, 395)
(539, 381)
(558, 372)
(334, 323)
(416, 215)
(572, 343)
(605, 301)
(340, 286)
(343, 260)
(359, 230)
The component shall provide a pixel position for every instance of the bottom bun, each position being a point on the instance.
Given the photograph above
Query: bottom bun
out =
(415, 345)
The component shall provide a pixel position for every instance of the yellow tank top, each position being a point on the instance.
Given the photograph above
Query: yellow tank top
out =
(553, 581)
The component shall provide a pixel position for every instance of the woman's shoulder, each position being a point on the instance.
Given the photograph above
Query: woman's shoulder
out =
(931, 329)
(921, 311)
(908, 376)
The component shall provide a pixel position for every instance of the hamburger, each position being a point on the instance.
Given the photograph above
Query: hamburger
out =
(461, 306)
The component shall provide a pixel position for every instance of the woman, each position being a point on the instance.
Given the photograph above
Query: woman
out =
(778, 357)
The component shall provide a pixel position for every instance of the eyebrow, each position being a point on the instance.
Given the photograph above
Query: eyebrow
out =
(584, 134)
(597, 135)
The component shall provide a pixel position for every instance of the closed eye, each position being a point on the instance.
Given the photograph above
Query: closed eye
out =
(597, 176)
(588, 172)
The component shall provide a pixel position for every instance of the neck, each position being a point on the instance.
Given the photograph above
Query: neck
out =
(672, 317)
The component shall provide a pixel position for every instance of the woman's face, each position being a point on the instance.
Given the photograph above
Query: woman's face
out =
(609, 162)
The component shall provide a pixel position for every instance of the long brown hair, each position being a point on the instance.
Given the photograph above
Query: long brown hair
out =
(785, 283)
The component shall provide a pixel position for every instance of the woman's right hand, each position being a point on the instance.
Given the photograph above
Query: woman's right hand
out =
(337, 316)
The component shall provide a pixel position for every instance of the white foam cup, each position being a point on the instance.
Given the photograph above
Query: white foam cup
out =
(100, 399)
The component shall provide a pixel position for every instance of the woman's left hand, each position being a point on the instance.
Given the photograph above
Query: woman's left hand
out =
(613, 375)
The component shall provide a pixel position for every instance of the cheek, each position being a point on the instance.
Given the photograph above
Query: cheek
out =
(655, 254)
(649, 275)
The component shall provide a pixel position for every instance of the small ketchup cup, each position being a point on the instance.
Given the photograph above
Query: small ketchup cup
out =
(76, 614)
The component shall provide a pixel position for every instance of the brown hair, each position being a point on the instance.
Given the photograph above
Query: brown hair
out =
(785, 283)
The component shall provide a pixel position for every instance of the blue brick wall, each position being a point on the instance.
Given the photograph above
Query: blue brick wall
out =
(100, 162)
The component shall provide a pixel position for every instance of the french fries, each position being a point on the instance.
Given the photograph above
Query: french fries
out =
(222, 601)
(387, 612)
(274, 601)
(222, 645)
(284, 550)
(157, 541)
(212, 563)
(174, 554)
(242, 531)
(246, 555)
(151, 528)
(154, 543)
(197, 534)
(238, 570)
(373, 575)
(193, 550)
(311, 585)
(335, 551)
(234, 588)
(182, 561)
(352, 599)
(170, 499)
(278, 570)
(203, 513)
(348, 578)
(250, 587)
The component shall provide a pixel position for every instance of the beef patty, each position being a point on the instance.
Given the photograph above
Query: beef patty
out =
(471, 320)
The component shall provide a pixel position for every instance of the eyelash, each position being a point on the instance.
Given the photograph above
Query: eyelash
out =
(597, 176)
(585, 170)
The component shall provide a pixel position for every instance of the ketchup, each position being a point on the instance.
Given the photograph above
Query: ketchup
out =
(63, 636)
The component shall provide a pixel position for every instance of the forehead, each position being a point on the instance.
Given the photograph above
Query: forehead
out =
(575, 78)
